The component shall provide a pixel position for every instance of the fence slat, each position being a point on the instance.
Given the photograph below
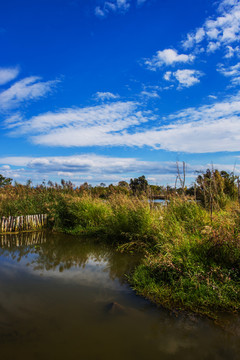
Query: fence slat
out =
(22, 223)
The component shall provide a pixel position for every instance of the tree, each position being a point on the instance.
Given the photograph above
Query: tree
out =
(230, 188)
(123, 183)
(29, 183)
(139, 184)
(214, 188)
(85, 186)
(4, 181)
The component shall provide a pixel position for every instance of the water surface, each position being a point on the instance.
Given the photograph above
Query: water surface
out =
(62, 297)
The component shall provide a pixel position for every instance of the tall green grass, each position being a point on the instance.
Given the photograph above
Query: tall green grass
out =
(119, 219)
(198, 267)
(192, 256)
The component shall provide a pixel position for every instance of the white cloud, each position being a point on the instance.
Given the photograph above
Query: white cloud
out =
(221, 30)
(205, 129)
(85, 167)
(167, 76)
(185, 78)
(95, 169)
(213, 46)
(30, 88)
(8, 74)
(199, 35)
(230, 51)
(106, 95)
(231, 71)
(150, 94)
(116, 6)
(89, 163)
(217, 110)
(81, 126)
(167, 57)
(5, 167)
(99, 12)
(112, 6)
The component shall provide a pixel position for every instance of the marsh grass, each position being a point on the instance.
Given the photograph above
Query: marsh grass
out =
(198, 268)
(191, 256)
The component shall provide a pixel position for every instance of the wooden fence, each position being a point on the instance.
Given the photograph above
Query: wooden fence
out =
(22, 223)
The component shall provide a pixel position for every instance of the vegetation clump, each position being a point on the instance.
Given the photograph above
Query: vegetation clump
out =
(191, 248)
(197, 267)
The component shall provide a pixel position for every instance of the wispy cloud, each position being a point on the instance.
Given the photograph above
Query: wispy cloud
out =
(205, 129)
(106, 95)
(231, 71)
(84, 167)
(167, 57)
(112, 6)
(150, 94)
(82, 126)
(116, 7)
(214, 97)
(96, 168)
(88, 163)
(231, 51)
(8, 74)
(30, 88)
(185, 77)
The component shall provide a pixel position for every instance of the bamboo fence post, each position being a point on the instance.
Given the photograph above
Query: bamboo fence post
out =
(22, 223)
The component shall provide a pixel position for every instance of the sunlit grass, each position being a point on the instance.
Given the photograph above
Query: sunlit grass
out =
(192, 256)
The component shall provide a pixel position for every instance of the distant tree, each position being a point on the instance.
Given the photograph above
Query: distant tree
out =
(230, 188)
(156, 190)
(29, 183)
(123, 184)
(214, 187)
(69, 185)
(50, 183)
(111, 188)
(102, 184)
(139, 184)
(4, 181)
(63, 183)
(85, 186)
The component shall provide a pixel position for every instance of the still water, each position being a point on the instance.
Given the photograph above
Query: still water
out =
(62, 297)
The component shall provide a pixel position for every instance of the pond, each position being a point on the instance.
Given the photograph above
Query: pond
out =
(158, 201)
(63, 297)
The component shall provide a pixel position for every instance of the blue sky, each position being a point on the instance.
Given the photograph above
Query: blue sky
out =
(101, 91)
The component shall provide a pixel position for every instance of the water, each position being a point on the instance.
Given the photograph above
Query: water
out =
(158, 201)
(57, 296)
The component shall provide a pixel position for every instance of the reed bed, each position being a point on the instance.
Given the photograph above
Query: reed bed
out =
(191, 253)
(192, 256)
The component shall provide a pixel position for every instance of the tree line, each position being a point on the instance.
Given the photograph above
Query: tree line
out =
(212, 187)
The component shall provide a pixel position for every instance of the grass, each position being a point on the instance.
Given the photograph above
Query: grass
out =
(198, 267)
(191, 257)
